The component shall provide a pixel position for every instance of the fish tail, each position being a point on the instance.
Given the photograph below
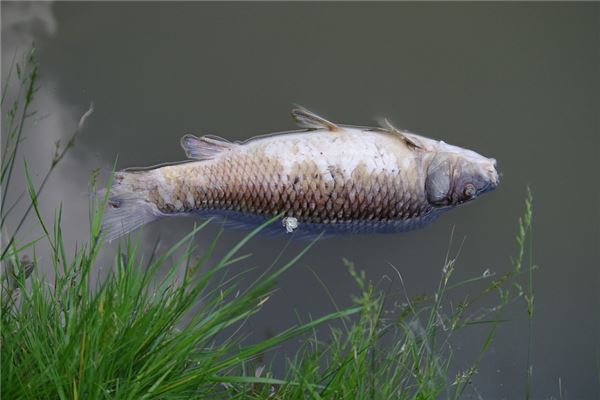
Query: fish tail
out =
(128, 206)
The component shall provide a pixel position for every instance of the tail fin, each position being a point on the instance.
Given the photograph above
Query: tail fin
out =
(128, 207)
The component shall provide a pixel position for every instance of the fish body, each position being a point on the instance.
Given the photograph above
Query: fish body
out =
(327, 178)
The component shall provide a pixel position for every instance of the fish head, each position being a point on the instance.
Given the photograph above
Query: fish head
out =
(456, 176)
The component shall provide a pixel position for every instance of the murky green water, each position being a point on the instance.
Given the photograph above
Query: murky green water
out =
(516, 82)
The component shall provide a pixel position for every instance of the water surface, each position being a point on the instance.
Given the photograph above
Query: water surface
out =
(517, 82)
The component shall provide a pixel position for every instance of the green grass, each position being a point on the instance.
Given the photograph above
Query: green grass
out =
(140, 334)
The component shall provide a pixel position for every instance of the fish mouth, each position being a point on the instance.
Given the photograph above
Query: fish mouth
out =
(496, 179)
(492, 183)
(487, 188)
(493, 176)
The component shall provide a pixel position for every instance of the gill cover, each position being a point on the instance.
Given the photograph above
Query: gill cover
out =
(439, 177)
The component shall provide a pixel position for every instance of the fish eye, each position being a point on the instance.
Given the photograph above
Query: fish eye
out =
(469, 190)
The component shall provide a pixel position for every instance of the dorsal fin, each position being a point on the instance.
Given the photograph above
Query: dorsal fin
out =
(411, 141)
(206, 147)
(310, 120)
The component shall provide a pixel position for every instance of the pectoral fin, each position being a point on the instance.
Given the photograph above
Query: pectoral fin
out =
(407, 137)
(206, 147)
(310, 120)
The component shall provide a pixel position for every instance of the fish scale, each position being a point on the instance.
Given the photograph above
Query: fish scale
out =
(327, 178)
(250, 185)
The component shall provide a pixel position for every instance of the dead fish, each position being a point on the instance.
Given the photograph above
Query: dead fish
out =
(323, 179)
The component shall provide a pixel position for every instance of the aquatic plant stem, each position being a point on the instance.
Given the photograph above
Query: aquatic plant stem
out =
(55, 161)
(28, 99)
(529, 297)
